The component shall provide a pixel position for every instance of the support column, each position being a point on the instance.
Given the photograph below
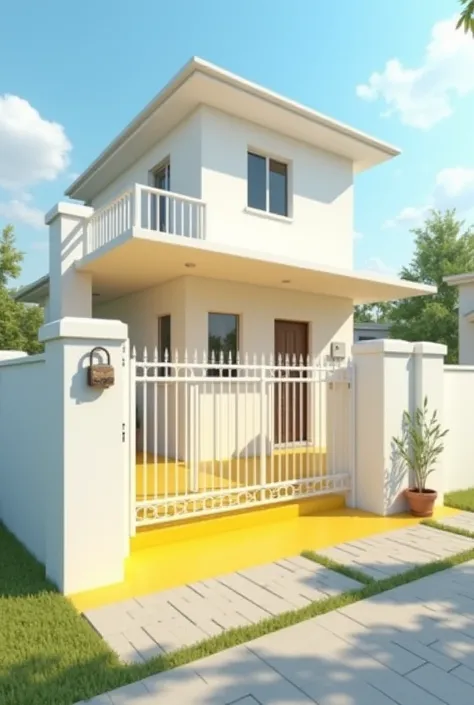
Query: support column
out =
(383, 392)
(70, 291)
(429, 382)
(87, 475)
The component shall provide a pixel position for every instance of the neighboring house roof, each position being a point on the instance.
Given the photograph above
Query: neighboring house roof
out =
(459, 279)
(36, 292)
(201, 83)
(372, 326)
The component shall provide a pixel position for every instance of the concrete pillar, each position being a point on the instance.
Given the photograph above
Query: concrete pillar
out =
(429, 382)
(382, 393)
(70, 291)
(87, 518)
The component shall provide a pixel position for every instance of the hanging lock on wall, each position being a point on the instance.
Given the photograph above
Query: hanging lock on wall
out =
(99, 375)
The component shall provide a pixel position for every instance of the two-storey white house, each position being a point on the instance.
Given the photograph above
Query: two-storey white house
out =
(221, 221)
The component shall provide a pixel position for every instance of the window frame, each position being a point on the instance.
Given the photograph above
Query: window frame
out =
(222, 372)
(164, 371)
(282, 162)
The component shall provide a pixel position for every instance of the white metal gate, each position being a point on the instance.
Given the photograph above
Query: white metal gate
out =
(214, 436)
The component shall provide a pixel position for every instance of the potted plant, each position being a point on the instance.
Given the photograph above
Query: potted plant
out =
(419, 448)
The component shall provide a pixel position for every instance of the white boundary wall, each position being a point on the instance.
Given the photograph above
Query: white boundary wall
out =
(458, 419)
(24, 437)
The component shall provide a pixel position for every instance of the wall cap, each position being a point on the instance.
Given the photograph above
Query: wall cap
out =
(85, 328)
(427, 348)
(69, 209)
(12, 354)
(382, 346)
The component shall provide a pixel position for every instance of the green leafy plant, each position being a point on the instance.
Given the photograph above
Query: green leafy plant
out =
(421, 443)
(466, 18)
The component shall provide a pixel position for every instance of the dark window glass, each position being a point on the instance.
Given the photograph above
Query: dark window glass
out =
(164, 343)
(278, 188)
(365, 337)
(256, 181)
(223, 333)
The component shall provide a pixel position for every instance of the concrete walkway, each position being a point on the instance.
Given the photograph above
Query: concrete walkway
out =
(411, 645)
(396, 552)
(145, 627)
(165, 621)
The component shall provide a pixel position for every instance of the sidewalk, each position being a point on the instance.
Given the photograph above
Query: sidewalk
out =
(144, 627)
(414, 644)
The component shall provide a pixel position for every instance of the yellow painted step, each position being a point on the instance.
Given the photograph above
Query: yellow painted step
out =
(233, 521)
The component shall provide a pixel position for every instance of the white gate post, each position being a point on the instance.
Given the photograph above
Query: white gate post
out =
(87, 519)
(383, 371)
(429, 383)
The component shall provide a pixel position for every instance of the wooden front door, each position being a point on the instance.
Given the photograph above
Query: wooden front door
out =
(291, 340)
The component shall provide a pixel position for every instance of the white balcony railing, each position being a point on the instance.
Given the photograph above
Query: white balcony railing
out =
(149, 209)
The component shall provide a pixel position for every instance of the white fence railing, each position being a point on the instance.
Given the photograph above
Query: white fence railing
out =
(215, 435)
(149, 209)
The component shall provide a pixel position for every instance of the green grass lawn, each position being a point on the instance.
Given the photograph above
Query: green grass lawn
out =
(49, 655)
(462, 499)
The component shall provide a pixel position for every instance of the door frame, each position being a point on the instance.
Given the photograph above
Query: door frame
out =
(305, 387)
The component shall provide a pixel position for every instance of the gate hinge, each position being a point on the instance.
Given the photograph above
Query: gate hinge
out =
(123, 433)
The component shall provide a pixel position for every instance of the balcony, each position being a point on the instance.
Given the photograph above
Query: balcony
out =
(148, 209)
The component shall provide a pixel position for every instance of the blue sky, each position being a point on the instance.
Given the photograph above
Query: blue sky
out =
(75, 77)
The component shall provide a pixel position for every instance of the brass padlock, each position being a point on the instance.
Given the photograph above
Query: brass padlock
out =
(100, 375)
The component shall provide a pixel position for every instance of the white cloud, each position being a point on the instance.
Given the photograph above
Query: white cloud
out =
(423, 95)
(409, 217)
(32, 149)
(375, 264)
(19, 211)
(454, 188)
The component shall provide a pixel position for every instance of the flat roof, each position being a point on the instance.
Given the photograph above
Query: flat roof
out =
(202, 83)
(140, 263)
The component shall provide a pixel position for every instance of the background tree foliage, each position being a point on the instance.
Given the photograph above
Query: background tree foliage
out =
(19, 323)
(443, 247)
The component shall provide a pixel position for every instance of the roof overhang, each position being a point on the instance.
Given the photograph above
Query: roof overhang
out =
(139, 263)
(37, 292)
(459, 279)
(201, 83)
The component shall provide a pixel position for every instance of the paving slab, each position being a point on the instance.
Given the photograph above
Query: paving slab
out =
(463, 520)
(143, 628)
(408, 645)
(398, 551)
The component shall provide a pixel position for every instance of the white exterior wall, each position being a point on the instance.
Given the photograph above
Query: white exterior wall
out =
(189, 300)
(466, 329)
(182, 146)
(25, 434)
(458, 399)
(320, 193)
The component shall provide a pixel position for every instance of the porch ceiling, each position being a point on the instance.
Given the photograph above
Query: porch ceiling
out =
(140, 263)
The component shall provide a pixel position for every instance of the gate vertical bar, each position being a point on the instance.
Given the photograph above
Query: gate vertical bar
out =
(132, 444)
(263, 450)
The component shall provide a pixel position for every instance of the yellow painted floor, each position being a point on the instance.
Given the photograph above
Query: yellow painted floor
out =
(159, 477)
(177, 562)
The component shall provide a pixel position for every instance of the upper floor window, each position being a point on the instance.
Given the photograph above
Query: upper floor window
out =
(267, 184)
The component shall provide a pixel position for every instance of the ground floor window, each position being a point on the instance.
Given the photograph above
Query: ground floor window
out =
(164, 342)
(223, 342)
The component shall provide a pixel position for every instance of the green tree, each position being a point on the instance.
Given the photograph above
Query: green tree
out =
(19, 323)
(443, 247)
(466, 18)
(373, 313)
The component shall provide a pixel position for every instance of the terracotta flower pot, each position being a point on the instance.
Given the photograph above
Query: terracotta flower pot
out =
(421, 503)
